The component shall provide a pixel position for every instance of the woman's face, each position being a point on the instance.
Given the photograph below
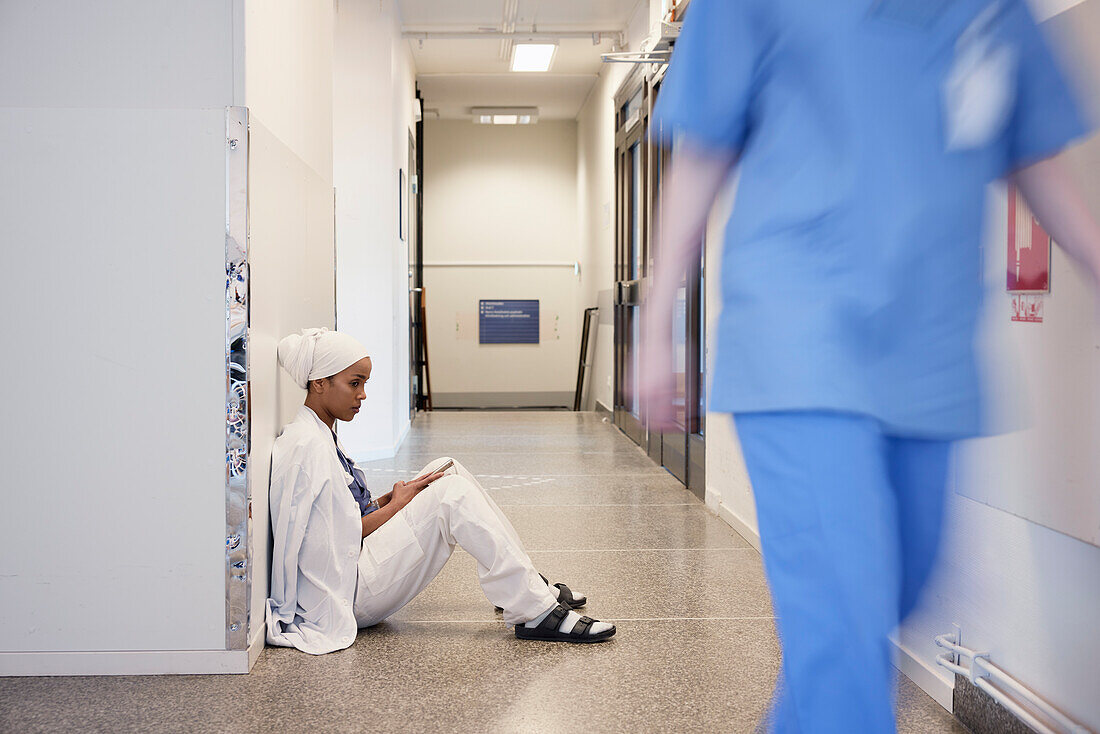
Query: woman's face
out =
(342, 396)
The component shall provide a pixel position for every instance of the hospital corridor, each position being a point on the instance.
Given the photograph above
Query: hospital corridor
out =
(524, 366)
(687, 593)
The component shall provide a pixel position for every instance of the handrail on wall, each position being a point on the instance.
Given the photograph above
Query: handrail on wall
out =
(505, 264)
(984, 674)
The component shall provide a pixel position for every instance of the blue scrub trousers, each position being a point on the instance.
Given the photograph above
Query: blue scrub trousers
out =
(849, 521)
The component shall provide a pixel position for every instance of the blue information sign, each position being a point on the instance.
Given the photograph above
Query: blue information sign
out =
(509, 322)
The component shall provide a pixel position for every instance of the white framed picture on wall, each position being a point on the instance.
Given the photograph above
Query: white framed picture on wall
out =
(402, 213)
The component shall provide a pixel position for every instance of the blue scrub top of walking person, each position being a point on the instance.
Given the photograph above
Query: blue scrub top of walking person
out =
(851, 270)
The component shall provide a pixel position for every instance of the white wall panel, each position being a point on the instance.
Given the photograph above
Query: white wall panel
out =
(117, 53)
(1044, 9)
(1021, 561)
(1044, 464)
(596, 213)
(288, 56)
(460, 364)
(292, 264)
(113, 290)
(372, 116)
(501, 194)
(288, 76)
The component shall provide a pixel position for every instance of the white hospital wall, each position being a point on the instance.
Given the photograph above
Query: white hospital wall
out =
(1044, 9)
(1020, 561)
(288, 53)
(374, 89)
(501, 194)
(288, 75)
(596, 208)
(1022, 591)
(113, 224)
(728, 490)
(118, 163)
(1021, 558)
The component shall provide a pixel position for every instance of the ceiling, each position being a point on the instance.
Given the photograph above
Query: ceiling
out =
(456, 74)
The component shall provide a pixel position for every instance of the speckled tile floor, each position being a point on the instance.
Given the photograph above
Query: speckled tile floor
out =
(696, 648)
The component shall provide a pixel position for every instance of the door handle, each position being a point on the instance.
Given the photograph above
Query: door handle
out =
(627, 293)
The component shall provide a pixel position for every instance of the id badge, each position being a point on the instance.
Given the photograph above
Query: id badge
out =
(979, 91)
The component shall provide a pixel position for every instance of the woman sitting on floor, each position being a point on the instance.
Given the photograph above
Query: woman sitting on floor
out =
(344, 560)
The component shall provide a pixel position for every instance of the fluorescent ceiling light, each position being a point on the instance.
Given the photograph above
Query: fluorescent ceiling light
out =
(533, 56)
(505, 115)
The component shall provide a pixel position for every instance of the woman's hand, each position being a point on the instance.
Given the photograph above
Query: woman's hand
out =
(403, 492)
(390, 504)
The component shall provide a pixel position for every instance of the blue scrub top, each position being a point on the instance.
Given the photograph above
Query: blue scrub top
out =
(358, 486)
(851, 271)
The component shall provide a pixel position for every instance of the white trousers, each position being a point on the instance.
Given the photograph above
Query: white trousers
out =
(402, 556)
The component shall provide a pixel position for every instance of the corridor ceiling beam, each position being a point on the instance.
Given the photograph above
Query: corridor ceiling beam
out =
(617, 37)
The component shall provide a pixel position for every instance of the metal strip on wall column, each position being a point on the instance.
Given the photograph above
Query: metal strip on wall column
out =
(238, 499)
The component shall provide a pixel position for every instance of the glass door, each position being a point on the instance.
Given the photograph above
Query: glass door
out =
(640, 168)
(630, 259)
(696, 383)
(417, 327)
(670, 447)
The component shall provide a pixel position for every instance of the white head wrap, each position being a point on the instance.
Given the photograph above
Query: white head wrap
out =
(317, 353)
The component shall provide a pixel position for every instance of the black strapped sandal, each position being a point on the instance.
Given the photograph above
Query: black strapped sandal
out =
(565, 596)
(548, 631)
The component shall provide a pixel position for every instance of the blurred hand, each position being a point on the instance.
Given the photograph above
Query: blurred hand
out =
(656, 388)
(695, 177)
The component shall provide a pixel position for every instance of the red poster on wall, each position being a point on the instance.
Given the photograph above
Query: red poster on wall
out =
(1028, 248)
(1027, 308)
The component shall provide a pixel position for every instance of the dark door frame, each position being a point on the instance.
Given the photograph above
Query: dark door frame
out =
(682, 452)
(417, 395)
(630, 127)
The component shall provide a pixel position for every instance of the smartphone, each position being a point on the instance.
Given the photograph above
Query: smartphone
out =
(443, 468)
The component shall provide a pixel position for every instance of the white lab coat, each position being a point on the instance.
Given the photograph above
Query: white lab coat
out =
(318, 534)
(326, 581)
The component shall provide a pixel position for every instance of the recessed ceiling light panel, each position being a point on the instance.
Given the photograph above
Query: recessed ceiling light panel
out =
(505, 115)
(533, 56)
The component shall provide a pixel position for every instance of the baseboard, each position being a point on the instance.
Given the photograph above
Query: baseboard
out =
(543, 399)
(740, 527)
(940, 687)
(386, 452)
(126, 662)
(256, 646)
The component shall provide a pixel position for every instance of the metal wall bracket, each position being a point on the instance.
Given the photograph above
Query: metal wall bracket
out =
(238, 496)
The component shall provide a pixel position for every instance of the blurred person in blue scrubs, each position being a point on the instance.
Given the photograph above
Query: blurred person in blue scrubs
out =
(864, 133)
